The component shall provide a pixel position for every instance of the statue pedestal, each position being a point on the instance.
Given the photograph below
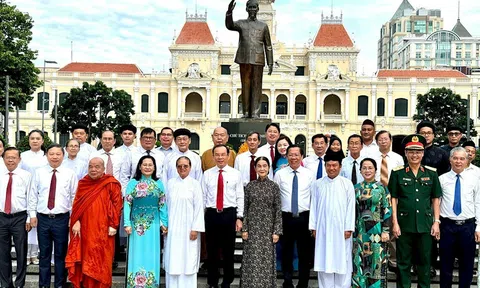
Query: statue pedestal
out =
(238, 128)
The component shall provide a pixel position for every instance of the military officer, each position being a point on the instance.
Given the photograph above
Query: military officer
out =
(416, 193)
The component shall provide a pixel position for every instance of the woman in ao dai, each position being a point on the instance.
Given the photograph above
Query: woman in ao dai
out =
(30, 161)
(186, 221)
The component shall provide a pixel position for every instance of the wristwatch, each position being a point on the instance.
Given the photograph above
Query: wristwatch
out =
(437, 220)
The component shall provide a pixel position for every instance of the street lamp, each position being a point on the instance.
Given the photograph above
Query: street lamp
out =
(43, 94)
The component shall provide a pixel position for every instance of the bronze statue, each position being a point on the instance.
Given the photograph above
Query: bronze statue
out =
(253, 45)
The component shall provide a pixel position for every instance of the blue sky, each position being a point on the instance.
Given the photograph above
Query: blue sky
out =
(140, 32)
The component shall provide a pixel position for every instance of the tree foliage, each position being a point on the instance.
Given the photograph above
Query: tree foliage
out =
(16, 58)
(23, 144)
(443, 108)
(96, 106)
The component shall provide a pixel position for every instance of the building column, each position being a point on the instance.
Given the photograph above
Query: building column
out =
(207, 110)
(347, 104)
(136, 89)
(319, 107)
(474, 105)
(374, 102)
(152, 102)
(234, 103)
(179, 102)
(390, 101)
(413, 103)
(272, 105)
(291, 108)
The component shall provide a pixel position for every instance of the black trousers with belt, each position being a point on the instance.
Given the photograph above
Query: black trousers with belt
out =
(220, 234)
(53, 229)
(13, 225)
(457, 239)
(296, 229)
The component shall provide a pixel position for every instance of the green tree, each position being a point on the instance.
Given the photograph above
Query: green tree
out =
(23, 145)
(97, 106)
(443, 108)
(16, 58)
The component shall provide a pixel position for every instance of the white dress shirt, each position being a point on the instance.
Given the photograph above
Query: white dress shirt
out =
(473, 169)
(30, 160)
(170, 166)
(393, 160)
(85, 150)
(311, 163)
(78, 165)
(167, 151)
(284, 179)
(370, 151)
(40, 190)
(233, 193)
(347, 165)
(116, 156)
(242, 164)
(21, 181)
(470, 196)
(129, 165)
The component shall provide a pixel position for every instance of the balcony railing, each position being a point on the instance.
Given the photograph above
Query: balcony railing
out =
(333, 116)
(225, 116)
(193, 115)
(281, 117)
(300, 117)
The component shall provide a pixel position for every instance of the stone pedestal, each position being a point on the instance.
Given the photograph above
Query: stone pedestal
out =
(238, 128)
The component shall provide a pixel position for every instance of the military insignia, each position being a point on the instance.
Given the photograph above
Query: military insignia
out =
(398, 168)
(407, 179)
(414, 139)
(431, 168)
(425, 178)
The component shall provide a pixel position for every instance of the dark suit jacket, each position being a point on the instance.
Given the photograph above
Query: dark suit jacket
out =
(254, 41)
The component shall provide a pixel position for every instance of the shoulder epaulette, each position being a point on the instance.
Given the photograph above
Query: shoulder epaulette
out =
(430, 168)
(398, 168)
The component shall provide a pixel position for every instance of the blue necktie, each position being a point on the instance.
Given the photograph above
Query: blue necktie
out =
(295, 194)
(320, 168)
(457, 203)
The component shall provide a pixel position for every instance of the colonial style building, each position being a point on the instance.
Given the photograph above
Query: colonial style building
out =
(314, 88)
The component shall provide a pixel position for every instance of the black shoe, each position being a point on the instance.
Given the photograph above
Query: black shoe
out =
(433, 272)
(288, 285)
(114, 265)
(392, 268)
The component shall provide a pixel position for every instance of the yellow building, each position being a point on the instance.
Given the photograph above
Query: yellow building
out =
(314, 88)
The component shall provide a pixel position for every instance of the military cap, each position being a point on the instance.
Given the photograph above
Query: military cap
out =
(469, 143)
(414, 142)
(454, 128)
(425, 123)
(181, 132)
(128, 127)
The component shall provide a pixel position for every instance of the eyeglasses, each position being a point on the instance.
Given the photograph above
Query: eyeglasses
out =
(426, 133)
(454, 134)
(182, 166)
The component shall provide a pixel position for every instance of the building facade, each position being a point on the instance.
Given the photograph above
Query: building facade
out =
(313, 89)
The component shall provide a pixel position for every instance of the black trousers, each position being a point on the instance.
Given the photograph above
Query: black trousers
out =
(296, 229)
(53, 230)
(457, 240)
(13, 225)
(220, 234)
(251, 77)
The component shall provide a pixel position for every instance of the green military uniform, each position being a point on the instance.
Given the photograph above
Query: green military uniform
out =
(415, 218)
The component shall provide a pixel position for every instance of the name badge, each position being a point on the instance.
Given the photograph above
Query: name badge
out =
(425, 178)
(407, 179)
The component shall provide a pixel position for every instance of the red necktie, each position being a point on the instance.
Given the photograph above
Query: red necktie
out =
(109, 169)
(220, 191)
(272, 153)
(253, 173)
(8, 198)
(53, 188)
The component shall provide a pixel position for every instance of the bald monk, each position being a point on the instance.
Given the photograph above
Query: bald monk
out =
(95, 219)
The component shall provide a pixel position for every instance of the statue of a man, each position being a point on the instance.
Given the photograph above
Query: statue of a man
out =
(253, 45)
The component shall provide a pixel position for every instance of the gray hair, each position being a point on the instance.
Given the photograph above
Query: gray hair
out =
(458, 149)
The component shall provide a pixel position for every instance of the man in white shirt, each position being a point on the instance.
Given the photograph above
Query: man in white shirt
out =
(166, 141)
(77, 164)
(51, 197)
(351, 163)
(14, 221)
(128, 133)
(272, 133)
(370, 147)
(80, 132)
(459, 216)
(111, 156)
(471, 154)
(332, 221)
(223, 197)
(183, 139)
(245, 162)
(389, 159)
(315, 162)
(294, 182)
(147, 147)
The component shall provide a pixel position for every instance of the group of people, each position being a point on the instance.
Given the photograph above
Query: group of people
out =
(350, 216)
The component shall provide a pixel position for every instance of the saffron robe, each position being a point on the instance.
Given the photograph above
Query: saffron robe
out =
(97, 205)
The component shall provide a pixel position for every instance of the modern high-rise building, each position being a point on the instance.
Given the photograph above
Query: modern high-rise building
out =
(406, 22)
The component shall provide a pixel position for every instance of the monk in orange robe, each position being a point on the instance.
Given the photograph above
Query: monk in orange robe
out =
(94, 223)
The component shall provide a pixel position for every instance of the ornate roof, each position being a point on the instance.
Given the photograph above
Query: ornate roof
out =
(401, 9)
(420, 74)
(101, 68)
(195, 31)
(461, 30)
(332, 33)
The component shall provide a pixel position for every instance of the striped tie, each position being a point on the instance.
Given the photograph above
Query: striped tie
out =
(384, 171)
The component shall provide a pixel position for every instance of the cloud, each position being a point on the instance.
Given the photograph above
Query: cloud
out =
(141, 31)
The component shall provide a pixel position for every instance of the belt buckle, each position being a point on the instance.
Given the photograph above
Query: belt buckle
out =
(51, 216)
(459, 222)
(219, 210)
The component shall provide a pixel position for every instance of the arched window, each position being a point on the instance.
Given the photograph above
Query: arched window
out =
(46, 100)
(195, 142)
(332, 105)
(380, 107)
(224, 104)
(401, 107)
(282, 105)
(362, 105)
(193, 103)
(144, 103)
(264, 105)
(301, 105)
(301, 141)
(162, 102)
(62, 97)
